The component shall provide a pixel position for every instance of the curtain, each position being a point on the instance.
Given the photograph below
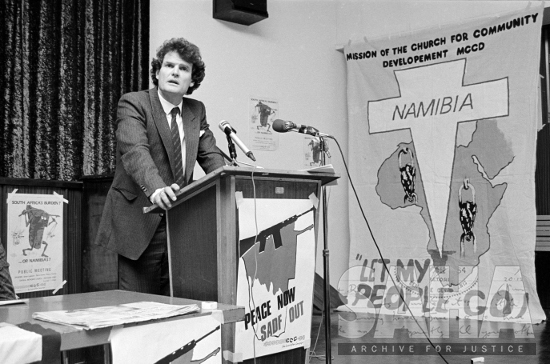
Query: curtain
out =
(66, 64)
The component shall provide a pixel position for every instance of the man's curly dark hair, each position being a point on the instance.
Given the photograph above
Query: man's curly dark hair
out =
(188, 52)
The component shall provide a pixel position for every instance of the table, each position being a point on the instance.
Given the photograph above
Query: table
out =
(72, 338)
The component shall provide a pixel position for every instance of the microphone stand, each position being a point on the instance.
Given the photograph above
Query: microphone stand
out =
(226, 157)
(232, 150)
(328, 354)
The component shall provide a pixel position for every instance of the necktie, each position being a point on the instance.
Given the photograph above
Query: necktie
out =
(177, 147)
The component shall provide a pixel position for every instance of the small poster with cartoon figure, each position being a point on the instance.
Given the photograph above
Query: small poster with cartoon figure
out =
(313, 151)
(262, 112)
(35, 241)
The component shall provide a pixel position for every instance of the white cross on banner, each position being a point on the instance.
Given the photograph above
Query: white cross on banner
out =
(433, 101)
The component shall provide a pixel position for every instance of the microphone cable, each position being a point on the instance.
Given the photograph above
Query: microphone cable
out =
(380, 252)
(251, 284)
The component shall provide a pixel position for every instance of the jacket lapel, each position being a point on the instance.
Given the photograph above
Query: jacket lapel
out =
(191, 132)
(162, 126)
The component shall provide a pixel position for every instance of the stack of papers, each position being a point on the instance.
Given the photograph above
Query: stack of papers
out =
(320, 169)
(108, 316)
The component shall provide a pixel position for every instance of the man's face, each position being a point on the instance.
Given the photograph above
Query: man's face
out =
(174, 77)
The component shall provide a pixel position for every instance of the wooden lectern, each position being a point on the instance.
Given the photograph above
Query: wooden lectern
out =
(203, 233)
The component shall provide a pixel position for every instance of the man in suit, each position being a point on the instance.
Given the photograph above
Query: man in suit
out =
(160, 134)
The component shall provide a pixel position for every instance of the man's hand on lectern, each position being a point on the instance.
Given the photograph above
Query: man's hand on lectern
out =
(165, 196)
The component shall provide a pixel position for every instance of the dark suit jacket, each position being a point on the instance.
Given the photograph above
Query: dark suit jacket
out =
(145, 162)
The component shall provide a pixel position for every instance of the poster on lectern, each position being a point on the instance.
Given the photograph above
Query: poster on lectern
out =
(35, 241)
(276, 275)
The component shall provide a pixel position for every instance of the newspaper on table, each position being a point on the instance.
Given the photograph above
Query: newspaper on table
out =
(108, 316)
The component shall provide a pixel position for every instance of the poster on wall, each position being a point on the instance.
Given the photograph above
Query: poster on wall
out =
(35, 241)
(312, 151)
(446, 123)
(262, 112)
(276, 273)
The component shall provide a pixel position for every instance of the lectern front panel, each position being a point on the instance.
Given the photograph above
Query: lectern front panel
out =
(193, 241)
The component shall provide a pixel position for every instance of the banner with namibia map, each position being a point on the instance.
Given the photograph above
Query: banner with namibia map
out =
(446, 122)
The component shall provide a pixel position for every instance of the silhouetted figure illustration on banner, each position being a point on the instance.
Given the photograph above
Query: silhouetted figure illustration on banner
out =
(264, 112)
(408, 176)
(37, 220)
(468, 211)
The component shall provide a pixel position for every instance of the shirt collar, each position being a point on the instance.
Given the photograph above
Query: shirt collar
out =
(168, 106)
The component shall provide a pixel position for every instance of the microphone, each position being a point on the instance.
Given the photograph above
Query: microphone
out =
(230, 132)
(283, 126)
